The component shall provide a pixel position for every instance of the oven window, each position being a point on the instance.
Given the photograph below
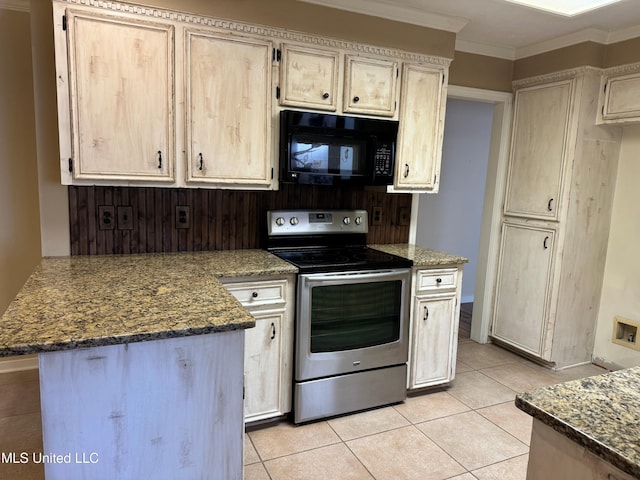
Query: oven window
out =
(349, 316)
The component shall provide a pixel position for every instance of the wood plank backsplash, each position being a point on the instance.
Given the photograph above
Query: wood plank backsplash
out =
(218, 219)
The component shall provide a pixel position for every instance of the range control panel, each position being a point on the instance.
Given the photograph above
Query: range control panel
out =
(306, 222)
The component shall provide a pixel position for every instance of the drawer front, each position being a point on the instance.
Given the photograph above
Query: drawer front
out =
(258, 293)
(441, 279)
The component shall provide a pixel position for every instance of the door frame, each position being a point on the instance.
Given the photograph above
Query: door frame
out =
(493, 203)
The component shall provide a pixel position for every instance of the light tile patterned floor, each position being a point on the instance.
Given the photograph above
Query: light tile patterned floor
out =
(470, 430)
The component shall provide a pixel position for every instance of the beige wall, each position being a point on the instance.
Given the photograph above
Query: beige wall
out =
(480, 71)
(19, 227)
(621, 286)
(586, 53)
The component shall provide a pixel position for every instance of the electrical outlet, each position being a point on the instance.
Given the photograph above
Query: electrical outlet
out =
(404, 216)
(125, 217)
(182, 217)
(376, 216)
(106, 217)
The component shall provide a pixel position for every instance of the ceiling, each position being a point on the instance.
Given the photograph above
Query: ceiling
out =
(503, 29)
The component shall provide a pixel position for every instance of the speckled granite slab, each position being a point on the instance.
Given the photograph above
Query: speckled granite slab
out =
(600, 413)
(421, 256)
(74, 302)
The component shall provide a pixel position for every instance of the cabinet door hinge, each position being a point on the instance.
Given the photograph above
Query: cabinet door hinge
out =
(71, 165)
(435, 178)
(64, 22)
(278, 92)
(277, 54)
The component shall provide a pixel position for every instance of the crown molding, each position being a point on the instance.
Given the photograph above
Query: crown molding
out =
(392, 11)
(557, 76)
(624, 34)
(507, 53)
(586, 35)
(18, 5)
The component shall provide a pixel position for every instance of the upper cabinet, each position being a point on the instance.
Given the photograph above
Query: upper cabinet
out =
(539, 155)
(370, 86)
(620, 95)
(155, 97)
(309, 77)
(422, 110)
(228, 107)
(122, 106)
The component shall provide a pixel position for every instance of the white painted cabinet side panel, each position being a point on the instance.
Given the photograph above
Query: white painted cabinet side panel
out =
(159, 409)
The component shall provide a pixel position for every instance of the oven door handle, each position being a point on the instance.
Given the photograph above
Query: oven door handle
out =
(330, 277)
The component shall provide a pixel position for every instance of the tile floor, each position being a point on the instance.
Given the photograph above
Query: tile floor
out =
(470, 430)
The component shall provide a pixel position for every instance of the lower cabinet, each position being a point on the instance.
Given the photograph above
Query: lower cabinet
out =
(524, 287)
(268, 355)
(434, 326)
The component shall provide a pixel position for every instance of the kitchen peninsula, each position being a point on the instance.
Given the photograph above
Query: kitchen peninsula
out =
(141, 362)
(585, 429)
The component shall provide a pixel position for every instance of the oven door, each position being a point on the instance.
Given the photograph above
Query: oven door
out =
(351, 321)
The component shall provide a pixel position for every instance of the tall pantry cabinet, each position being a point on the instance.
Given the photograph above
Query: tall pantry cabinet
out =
(556, 217)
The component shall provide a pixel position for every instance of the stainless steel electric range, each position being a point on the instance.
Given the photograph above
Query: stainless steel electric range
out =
(352, 312)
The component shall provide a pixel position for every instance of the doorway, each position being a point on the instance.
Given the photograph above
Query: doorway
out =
(484, 207)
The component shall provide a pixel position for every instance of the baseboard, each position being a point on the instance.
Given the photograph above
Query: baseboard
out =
(467, 299)
(14, 364)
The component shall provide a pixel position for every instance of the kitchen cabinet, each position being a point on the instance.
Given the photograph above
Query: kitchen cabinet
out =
(558, 196)
(228, 108)
(620, 96)
(434, 326)
(423, 95)
(122, 106)
(268, 357)
(370, 86)
(309, 77)
(539, 155)
(155, 97)
(526, 261)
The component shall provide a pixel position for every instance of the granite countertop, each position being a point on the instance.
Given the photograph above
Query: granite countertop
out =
(599, 413)
(72, 302)
(421, 256)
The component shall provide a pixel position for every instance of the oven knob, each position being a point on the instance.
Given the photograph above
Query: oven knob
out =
(293, 221)
(358, 220)
(280, 221)
(346, 220)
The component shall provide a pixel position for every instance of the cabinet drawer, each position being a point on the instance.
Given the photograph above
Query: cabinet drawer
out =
(436, 279)
(258, 293)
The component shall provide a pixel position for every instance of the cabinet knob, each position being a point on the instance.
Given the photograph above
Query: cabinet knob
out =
(549, 207)
(356, 99)
(201, 161)
(159, 159)
(325, 95)
(273, 331)
(544, 243)
(406, 170)
(426, 313)
(438, 280)
(254, 294)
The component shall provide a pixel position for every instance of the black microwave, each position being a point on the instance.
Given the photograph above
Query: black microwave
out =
(321, 149)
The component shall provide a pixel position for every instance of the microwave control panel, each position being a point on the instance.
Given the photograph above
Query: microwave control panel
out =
(383, 160)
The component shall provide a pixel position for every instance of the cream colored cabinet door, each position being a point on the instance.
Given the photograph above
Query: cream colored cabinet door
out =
(524, 285)
(370, 86)
(422, 110)
(262, 366)
(309, 77)
(121, 80)
(434, 340)
(228, 108)
(538, 155)
(621, 100)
